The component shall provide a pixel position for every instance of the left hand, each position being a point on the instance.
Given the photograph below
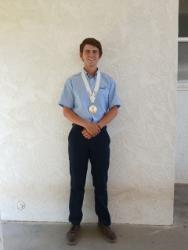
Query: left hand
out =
(86, 134)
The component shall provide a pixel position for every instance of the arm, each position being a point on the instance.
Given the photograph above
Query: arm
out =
(108, 117)
(92, 128)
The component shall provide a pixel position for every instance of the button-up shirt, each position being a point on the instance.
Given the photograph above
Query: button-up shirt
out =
(76, 97)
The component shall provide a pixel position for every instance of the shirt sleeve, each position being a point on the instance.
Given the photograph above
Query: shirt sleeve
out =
(113, 96)
(67, 97)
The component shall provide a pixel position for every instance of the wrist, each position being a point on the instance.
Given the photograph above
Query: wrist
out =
(85, 124)
(99, 124)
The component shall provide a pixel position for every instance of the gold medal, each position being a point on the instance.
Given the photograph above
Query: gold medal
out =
(92, 109)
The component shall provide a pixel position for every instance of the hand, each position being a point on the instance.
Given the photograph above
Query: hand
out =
(92, 128)
(86, 134)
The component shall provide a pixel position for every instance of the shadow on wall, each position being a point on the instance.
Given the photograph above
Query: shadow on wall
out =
(1, 235)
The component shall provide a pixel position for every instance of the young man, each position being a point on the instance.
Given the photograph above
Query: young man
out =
(90, 102)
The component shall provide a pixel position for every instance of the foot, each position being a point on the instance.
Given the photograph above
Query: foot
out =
(108, 233)
(73, 235)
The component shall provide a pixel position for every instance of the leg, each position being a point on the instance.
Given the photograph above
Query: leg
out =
(78, 158)
(99, 157)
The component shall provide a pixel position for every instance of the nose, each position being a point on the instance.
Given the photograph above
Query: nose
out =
(92, 57)
(91, 53)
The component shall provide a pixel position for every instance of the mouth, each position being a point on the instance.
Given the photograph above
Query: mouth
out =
(91, 60)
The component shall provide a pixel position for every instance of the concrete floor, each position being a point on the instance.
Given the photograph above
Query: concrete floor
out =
(51, 236)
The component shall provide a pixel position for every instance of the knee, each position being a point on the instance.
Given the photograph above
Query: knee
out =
(77, 188)
(100, 188)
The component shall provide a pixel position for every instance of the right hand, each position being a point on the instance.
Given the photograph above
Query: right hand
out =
(92, 128)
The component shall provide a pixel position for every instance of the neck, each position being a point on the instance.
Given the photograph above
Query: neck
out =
(90, 71)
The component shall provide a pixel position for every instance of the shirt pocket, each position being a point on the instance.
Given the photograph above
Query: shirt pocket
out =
(103, 91)
(103, 95)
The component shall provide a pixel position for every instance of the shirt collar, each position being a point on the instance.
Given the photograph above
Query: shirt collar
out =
(90, 76)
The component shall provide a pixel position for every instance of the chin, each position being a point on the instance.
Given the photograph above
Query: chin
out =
(92, 64)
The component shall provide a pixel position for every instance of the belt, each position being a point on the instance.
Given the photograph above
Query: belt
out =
(80, 127)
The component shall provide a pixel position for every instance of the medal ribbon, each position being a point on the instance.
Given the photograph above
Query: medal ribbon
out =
(92, 95)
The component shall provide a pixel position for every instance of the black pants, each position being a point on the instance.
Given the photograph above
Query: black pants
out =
(81, 150)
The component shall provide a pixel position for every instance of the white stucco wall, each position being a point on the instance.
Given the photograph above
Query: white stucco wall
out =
(39, 41)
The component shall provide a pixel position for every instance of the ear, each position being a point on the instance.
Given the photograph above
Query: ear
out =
(81, 55)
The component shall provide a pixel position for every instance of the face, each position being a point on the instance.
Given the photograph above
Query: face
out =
(90, 56)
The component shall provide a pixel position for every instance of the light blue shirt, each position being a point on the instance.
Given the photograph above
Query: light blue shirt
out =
(75, 96)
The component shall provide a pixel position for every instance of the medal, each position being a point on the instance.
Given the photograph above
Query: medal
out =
(92, 95)
(92, 109)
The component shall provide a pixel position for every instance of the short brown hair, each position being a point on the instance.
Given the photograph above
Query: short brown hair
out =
(91, 41)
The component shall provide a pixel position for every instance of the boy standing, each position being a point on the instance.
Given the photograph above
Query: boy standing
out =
(90, 102)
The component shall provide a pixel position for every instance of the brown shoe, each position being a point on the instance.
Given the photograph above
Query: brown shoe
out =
(108, 233)
(73, 235)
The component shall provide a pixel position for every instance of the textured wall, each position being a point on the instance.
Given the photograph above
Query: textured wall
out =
(39, 42)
